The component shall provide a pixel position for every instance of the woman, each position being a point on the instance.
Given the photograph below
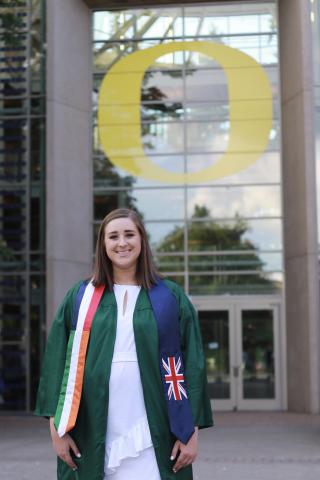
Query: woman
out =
(131, 399)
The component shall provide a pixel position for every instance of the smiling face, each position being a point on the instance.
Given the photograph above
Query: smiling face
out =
(123, 243)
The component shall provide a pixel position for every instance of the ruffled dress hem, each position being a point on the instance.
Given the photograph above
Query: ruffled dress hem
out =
(135, 441)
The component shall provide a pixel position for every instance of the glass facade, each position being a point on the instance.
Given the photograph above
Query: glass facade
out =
(212, 233)
(22, 183)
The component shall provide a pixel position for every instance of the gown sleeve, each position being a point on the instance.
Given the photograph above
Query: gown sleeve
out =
(54, 359)
(194, 363)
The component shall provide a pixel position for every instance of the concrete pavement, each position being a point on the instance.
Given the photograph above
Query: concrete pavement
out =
(241, 446)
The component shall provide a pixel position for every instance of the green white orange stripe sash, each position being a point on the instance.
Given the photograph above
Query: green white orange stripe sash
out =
(87, 301)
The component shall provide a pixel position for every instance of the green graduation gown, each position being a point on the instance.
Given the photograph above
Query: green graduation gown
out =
(89, 432)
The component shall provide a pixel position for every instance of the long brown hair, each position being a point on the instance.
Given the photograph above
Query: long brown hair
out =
(146, 273)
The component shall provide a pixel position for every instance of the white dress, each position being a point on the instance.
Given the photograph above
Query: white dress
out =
(129, 451)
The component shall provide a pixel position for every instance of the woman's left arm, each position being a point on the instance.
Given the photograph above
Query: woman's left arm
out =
(194, 364)
(196, 381)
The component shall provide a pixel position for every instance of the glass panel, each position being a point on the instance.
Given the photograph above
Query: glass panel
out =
(162, 138)
(106, 174)
(107, 54)
(10, 261)
(206, 85)
(237, 234)
(162, 111)
(214, 25)
(108, 25)
(13, 20)
(166, 85)
(240, 261)
(13, 313)
(170, 207)
(207, 137)
(214, 327)
(170, 263)
(165, 236)
(235, 284)
(157, 138)
(200, 111)
(153, 110)
(180, 280)
(13, 149)
(163, 24)
(151, 23)
(267, 169)
(161, 204)
(258, 354)
(105, 202)
(215, 136)
(233, 201)
(12, 378)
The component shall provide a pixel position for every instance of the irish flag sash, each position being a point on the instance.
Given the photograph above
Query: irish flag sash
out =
(87, 301)
(166, 313)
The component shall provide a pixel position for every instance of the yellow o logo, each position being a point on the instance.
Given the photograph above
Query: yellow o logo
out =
(250, 102)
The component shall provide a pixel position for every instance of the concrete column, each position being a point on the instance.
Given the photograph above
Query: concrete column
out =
(299, 202)
(68, 164)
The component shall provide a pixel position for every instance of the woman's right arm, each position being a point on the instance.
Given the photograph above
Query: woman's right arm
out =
(52, 373)
(63, 446)
(53, 364)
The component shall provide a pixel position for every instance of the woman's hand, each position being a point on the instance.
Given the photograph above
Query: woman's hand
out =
(187, 453)
(63, 445)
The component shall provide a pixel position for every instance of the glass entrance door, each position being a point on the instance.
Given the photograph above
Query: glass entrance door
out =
(217, 339)
(257, 346)
(242, 351)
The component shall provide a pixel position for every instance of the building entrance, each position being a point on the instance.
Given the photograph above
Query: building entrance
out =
(242, 348)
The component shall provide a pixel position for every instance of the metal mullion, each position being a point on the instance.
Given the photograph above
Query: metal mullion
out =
(225, 273)
(12, 186)
(197, 152)
(20, 97)
(181, 37)
(207, 185)
(230, 219)
(185, 121)
(99, 73)
(185, 146)
(19, 117)
(173, 5)
(173, 273)
(208, 273)
(22, 272)
(13, 343)
(206, 253)
(205, 220)
(113, 189)
(190, 102)
(188, 222)
(23, 31)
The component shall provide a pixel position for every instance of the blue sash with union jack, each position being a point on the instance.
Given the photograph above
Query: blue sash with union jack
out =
(166, 312)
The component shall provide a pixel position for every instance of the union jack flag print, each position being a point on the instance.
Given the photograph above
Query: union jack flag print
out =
(174, 378)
